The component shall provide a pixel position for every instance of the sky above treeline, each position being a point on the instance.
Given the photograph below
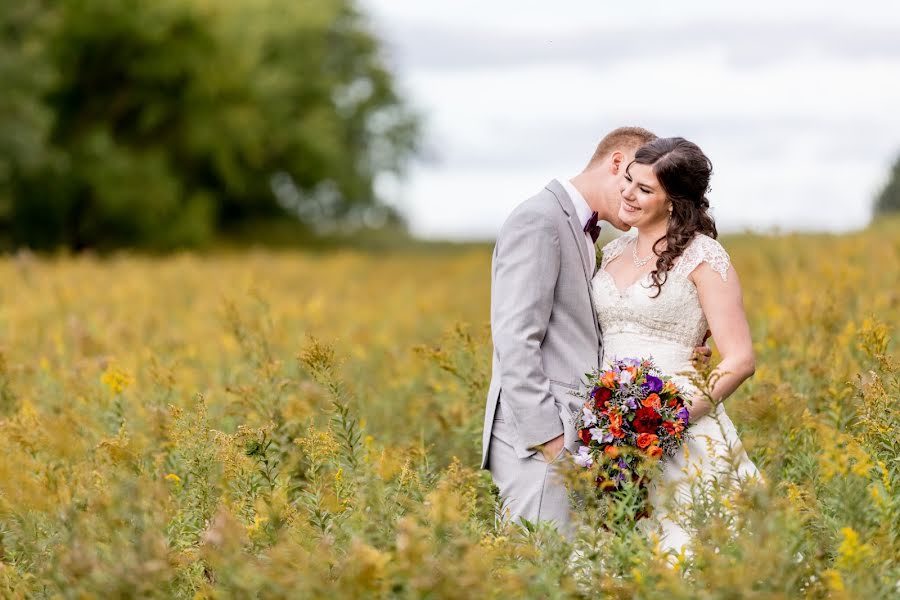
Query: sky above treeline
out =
(796, 103)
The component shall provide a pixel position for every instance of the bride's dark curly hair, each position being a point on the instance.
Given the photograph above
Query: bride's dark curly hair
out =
(684, 172)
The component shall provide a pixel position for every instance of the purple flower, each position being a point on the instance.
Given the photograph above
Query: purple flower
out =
(653, 384)
(631, 362)
(631, 403)
(684, 415)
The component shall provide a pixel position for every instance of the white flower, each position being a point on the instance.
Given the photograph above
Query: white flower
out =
(583, 457)
(625, 377)
(597, 434)
(589, 417)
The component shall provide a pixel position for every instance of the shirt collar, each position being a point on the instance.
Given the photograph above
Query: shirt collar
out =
(581, 206)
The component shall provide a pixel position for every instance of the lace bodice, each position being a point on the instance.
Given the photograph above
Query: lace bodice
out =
(668, 326)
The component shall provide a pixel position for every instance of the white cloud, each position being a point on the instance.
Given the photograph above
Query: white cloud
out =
(794, 102)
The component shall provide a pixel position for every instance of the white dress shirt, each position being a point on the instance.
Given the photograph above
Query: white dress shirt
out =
(584, 215)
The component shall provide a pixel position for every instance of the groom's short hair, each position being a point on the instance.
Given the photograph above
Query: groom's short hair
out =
(623, 138)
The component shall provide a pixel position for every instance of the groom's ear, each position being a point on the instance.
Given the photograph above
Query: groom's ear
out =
(616, 162)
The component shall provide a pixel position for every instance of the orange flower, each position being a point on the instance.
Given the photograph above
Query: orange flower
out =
(615, 419)
(654, 451)
(616, 432)
(611, 451)
(645, 439)
(609, 379)
(670, 388)
(652, 400)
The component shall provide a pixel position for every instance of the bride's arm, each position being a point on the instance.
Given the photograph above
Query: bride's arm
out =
(723, 305)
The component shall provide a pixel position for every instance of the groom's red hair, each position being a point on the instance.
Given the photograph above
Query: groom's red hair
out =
(623, 138)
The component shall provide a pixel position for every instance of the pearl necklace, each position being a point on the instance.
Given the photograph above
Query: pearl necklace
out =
(639, 262)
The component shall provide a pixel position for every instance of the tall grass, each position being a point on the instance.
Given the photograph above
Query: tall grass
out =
(279, 425)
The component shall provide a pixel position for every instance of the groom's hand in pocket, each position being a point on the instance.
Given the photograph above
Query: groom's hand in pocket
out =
(551, 449)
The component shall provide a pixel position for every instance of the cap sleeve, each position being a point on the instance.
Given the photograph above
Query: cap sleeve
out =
(704, 249)
(613, 249)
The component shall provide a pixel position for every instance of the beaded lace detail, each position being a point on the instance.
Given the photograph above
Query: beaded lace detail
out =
(675, 314)
(614, 249)
(702, 249)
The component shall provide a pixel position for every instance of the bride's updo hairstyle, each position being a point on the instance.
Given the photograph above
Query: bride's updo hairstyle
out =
(683, 171)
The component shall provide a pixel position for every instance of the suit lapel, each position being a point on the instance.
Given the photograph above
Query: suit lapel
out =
(578, 237)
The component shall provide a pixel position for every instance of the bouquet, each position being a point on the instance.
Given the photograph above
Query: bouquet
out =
(632, 416)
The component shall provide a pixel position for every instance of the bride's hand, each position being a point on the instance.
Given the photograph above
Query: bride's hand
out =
(699, 407)
(702, 353)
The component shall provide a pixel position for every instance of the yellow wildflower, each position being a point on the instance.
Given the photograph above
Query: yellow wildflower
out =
(318, 444)
(852, 552)
(116, 379)
(834, 580)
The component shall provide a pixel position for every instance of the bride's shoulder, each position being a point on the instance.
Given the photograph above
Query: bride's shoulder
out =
(704, 249)
(618, 243)
(614, 248)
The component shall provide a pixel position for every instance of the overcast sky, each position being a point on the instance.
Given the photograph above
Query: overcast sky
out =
(797, 103)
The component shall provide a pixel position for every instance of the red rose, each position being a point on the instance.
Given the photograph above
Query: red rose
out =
(601, 395)
(585, 435)
(646, 420)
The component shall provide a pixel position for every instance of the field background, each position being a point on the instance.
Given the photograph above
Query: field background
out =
(286, 424)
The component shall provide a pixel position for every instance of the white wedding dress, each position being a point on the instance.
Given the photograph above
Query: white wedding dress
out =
(668, 327)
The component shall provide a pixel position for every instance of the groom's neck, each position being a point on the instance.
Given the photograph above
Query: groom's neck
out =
(589, 186)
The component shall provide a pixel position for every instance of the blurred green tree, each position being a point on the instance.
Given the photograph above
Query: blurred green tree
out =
(161, 123)
(25, 120)
(889, 199)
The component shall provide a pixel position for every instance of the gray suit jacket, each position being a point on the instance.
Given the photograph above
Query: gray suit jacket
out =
(543, 323)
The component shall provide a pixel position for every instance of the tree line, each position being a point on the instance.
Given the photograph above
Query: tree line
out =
(164, 124)
(888, 200)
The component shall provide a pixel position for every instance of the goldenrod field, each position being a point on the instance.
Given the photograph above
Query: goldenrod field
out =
(287, 425)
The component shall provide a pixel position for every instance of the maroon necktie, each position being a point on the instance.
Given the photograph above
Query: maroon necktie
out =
(593, 227)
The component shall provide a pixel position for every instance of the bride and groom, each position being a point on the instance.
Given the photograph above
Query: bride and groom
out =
(556, 315)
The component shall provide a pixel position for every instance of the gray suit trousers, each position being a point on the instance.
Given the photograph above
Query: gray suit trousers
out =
(529, 487)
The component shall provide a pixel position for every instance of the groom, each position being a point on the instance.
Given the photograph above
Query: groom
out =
(545, 330)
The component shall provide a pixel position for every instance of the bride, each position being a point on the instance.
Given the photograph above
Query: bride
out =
(656, 294)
